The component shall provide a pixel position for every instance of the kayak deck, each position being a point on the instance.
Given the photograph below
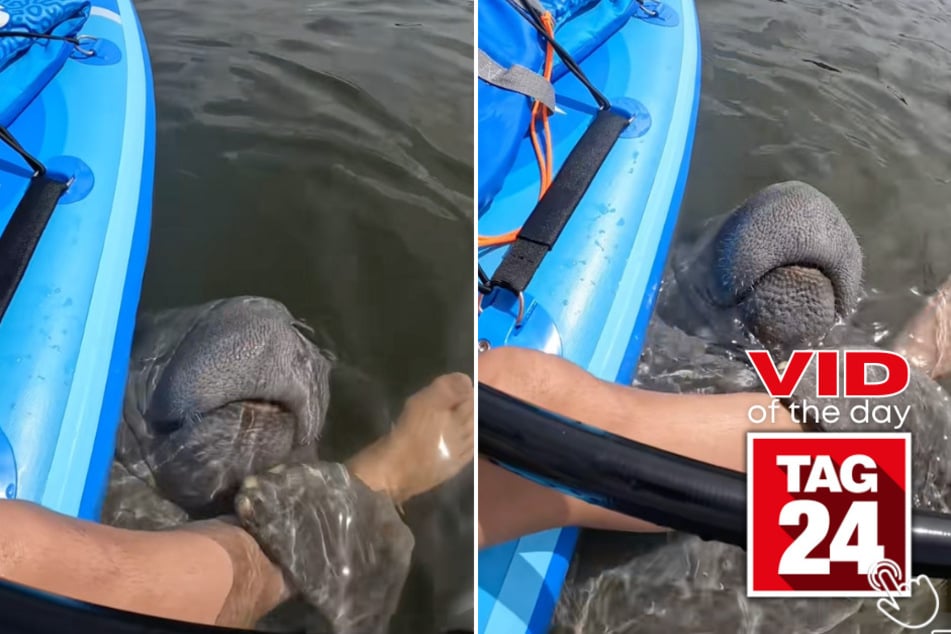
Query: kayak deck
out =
(66, 336)
(593, 295)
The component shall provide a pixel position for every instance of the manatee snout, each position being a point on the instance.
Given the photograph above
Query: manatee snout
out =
(244, 348)
(200, 466)
(790, 306)
(783, 267)
(217, 392)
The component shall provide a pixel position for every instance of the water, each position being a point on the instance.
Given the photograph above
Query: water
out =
(853, 99)
(849, 97)
(320, 153)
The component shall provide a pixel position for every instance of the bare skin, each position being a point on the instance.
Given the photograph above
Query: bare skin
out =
(511, 506)
(213, 572)
(926, 339)
(435, 428)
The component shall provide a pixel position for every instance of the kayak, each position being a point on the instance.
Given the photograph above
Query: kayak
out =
(575, 272)
(77, 106)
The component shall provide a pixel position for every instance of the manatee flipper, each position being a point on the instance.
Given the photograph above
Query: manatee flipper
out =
(673, 361)
(343, 547)
(134, 504)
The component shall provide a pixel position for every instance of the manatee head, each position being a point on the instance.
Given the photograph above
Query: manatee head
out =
(782, 269)
(216, 392)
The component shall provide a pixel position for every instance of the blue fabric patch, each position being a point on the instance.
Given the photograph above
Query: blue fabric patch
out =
(504, 116)
(564, 10)
(581, 26)
(28, 64)
(586, 26)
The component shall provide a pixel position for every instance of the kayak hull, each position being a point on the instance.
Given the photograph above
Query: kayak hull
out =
(66, 336)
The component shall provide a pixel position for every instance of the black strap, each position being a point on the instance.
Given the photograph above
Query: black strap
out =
(552, 212)
(22, 233)
(26, 226)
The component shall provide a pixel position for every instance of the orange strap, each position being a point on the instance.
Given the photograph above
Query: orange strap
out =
(543, 155)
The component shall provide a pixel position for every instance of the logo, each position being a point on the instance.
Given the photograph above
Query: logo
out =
(824, 510)
(4, 17)
(851, 366)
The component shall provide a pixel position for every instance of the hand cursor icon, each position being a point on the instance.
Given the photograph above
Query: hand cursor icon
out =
(885, 576)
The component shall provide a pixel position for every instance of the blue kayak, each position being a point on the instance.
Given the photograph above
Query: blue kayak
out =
(75, 95)
(591, 296)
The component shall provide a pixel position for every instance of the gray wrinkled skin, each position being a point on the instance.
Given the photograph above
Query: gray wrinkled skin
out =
(780, 273)
(133, 504)
(231, 388)
(342, 545)
(217, 392)
(783, 267)
(711, 369)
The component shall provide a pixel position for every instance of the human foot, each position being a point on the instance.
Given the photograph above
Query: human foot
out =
(926, 339)
(343, 547)
(430, 443)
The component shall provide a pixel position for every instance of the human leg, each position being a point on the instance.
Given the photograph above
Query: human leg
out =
(209, 574)
(926, 339)
(431, 441)
(710, 428)
(214, 572)
(334, 528)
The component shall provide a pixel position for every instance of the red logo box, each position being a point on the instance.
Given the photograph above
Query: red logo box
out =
(825, 509)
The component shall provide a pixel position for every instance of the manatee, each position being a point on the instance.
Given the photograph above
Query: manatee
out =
(782, 271)
(217, 392)
(928, 420)
(220, 392)
(303, 509)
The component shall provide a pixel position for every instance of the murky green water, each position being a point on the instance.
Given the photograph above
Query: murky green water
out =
(320, 153)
